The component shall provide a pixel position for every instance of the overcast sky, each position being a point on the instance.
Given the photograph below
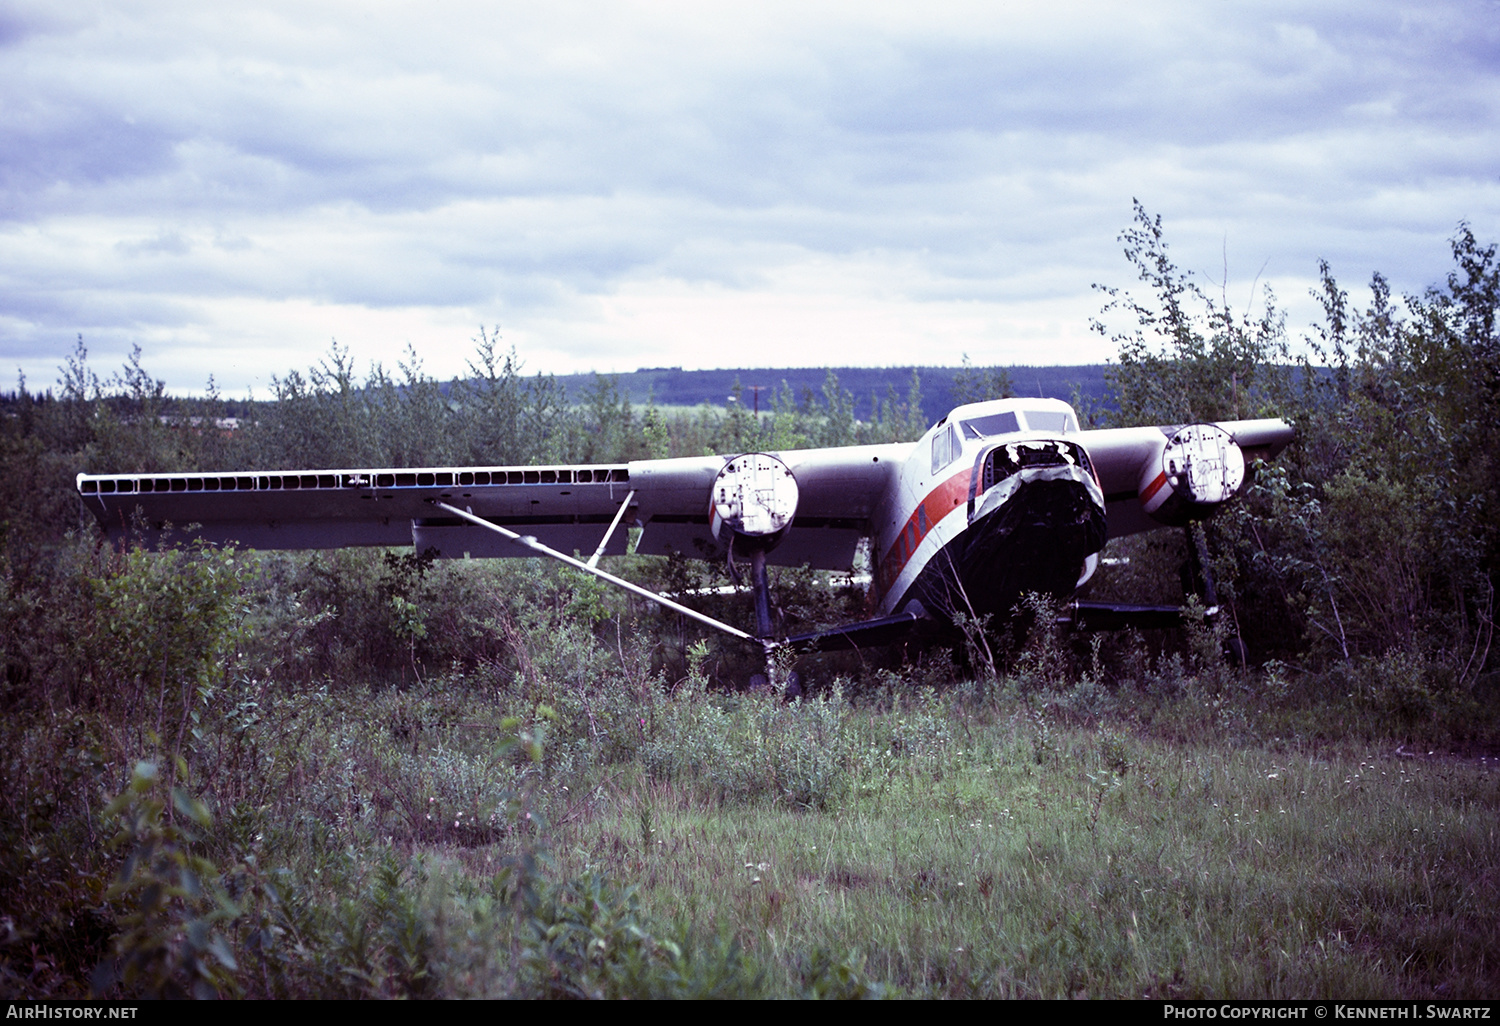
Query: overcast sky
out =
(622, 185)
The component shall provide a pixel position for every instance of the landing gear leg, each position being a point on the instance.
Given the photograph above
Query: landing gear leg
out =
(761, 585)
(762, 588)
(1198, 579)
(763, 628)
(1197, 574)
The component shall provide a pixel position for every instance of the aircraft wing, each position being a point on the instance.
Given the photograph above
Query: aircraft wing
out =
(575, 507)
(569, 508)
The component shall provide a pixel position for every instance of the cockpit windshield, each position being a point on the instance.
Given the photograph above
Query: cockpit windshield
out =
(994, 424)
(1005, 423)
(1047, 420)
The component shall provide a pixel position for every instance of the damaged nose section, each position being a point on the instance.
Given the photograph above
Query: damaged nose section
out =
(1035, 524)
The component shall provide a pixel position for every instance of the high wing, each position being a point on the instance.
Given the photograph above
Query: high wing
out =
(1121, 456)
(998, 499)
(569, 508)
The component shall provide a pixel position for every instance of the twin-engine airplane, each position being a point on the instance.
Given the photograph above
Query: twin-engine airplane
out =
(998, 499)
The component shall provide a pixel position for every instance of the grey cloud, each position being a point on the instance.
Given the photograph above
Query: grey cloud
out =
(45, 143)
(162, 242)
(503, 161)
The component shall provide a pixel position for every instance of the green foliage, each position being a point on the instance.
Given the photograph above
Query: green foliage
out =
(971, 385)
(166, 627)
(607, 431)
(1403, 454)
(56, 925)
(1375, 532)
(898, 420)
(144, 642)
(587, 939)
(838, 426)
(171, 943)
(1187, 357)
(606, 862)
(755, 748)
(320, 419)
(509, 420)
(655, 433)
(830, 978)
(1043, 662)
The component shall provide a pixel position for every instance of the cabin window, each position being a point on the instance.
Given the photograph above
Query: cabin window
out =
(945, 448)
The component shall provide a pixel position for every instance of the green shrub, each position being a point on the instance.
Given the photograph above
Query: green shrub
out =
(173, 908)
(754, 747)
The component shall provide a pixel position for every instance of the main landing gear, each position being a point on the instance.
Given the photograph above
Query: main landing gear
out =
(1198, 580)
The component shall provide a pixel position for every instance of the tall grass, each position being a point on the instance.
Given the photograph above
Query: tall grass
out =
(555, 813)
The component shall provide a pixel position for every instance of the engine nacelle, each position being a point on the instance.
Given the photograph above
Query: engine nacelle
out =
(754, 501)
(1201, 468)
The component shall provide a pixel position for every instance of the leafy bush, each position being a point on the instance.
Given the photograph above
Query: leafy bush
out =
(754, 747)
(172, 904)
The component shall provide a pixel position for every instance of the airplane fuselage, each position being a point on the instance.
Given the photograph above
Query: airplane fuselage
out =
(998, 499)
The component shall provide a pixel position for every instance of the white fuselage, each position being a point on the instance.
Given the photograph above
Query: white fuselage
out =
(937, 497)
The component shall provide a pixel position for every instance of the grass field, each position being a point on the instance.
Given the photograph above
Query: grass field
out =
(973, 852)
(959, 845)
(566, 819)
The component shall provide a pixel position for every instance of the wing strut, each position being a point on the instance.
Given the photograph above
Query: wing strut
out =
(536, 546)
(594, 559)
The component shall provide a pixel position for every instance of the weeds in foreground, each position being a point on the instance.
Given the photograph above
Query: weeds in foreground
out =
(547, 823)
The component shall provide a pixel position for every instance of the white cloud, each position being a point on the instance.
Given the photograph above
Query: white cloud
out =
(655, 184)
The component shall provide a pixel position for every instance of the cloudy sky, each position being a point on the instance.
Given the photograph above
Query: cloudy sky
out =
(619, 185)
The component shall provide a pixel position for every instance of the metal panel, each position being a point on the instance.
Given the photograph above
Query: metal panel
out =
(294, 534)
(822, 548)
(458, 540)
(335, 508)
(688, 535)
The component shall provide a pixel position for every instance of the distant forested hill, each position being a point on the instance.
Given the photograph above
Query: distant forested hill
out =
(673, 386)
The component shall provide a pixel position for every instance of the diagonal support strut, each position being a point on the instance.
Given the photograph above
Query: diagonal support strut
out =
(594, 559)
(531, 543)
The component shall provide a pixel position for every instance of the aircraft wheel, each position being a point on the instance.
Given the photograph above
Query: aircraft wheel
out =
(1236, 652)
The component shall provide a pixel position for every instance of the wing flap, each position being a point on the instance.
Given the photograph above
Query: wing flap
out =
(455, 539)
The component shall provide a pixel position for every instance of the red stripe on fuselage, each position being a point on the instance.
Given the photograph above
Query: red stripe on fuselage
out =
(938, 504)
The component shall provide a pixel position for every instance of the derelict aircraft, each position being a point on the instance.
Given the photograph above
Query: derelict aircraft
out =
(998, 499)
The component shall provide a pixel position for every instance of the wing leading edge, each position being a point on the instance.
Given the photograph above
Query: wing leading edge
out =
(569, 508)
(1121, 456)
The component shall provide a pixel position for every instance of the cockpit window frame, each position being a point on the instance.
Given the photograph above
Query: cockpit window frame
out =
(1057, 420)
(1008, 422)
(946, 448)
